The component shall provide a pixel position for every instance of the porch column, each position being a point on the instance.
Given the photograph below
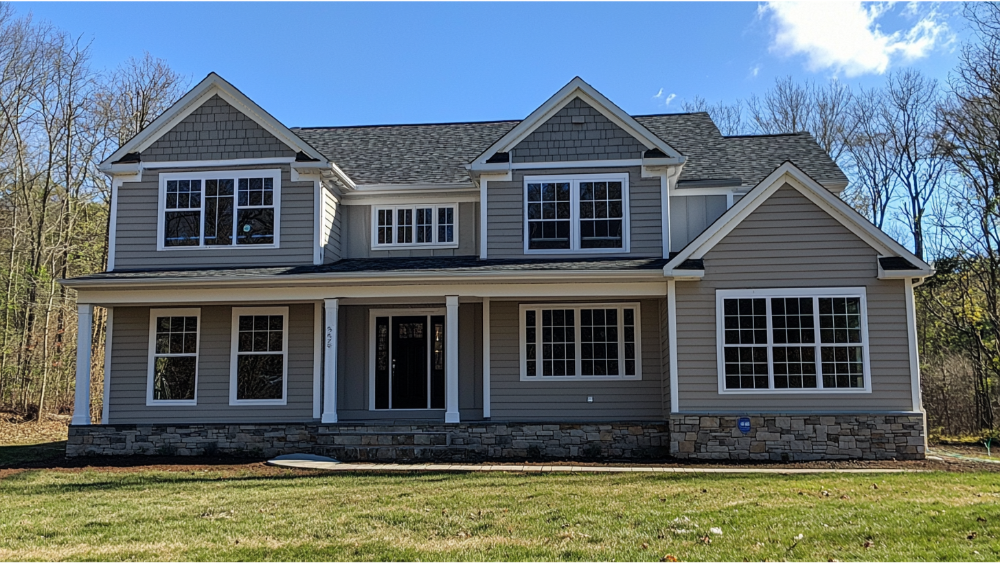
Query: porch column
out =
(330, 362)
(451, 359)
(84, 326)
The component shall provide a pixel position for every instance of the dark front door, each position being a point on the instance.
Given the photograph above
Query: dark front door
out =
(409, 380)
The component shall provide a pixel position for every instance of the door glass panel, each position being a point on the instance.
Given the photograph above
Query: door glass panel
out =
(382, 362)
(437, 362)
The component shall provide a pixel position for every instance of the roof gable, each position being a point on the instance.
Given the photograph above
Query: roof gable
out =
(213, 85)
(790, 175)
(577, 132)
(578, 89)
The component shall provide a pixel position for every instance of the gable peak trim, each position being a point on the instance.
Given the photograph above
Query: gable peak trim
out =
(578, 89)
(789, 173)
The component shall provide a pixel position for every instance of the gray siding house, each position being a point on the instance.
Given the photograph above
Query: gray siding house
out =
(579, 283)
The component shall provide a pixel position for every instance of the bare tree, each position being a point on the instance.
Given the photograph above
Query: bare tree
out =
(727, 117)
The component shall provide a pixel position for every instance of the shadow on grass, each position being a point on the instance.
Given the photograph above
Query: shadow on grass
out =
(19, 455)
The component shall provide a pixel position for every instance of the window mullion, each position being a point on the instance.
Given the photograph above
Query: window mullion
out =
(434, 225)
(236, 206)
(621, 342)
(770, 344)
(201, 201)
(578, 342)
(574, 215)
(817, 344)
(538, 343)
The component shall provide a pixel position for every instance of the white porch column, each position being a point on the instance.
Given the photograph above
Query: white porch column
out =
(451, 359)
(84, 326)
(330, 362)
(486, 357)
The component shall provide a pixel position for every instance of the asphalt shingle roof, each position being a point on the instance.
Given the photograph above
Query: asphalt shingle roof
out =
(450, 264)
(437, 153)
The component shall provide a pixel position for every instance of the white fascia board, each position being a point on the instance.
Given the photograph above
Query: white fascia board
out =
(211, 85)
(813, 191)
(377, 292)
(328, 279)
(576, 88)
(482, 168)
(684, 275)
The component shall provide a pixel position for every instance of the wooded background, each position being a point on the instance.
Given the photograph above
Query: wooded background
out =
(923, 159)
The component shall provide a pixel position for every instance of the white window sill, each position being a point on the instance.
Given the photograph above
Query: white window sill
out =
(258, 402)
(812, 391)
(172, 403)
(581, 252)
(220, 247)
(414, 246)
(580, 377)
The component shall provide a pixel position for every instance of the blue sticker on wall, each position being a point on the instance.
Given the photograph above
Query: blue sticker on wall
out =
(744, 424)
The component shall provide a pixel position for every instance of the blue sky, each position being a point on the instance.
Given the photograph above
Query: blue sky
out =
(353, 63)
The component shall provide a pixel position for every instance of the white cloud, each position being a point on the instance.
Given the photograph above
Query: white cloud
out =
(670, 98)
(658, 94)
(847, 37)
(755, 70)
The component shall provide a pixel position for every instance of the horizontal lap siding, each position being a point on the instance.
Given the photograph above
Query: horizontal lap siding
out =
(516, 400)
(135, 240)
(505, 210)
(129, 368)
(359, 237)
(333, 220)
(790, 242)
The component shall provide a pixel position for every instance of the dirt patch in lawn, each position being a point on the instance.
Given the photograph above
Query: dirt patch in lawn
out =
(17, 429)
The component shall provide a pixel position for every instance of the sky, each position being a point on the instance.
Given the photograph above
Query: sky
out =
(314, 64)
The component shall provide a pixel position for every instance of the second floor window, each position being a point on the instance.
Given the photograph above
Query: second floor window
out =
(587, 213)
(414, 225)
(215, 209)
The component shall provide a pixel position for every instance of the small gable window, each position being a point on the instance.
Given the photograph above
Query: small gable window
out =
(432, 226)
(587, 213)
(215, 209)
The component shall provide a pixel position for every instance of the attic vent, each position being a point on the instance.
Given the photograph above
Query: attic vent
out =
(579, 120)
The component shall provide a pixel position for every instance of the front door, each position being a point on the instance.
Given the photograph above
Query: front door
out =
(409, 361)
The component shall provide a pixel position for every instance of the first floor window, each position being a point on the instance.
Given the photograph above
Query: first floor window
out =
(785, 340)
(580, 213)
(580, 341)
(215, 209)
(173, 370)
(413, 226)
(260, 353)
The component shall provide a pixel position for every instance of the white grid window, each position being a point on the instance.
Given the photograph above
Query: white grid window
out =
(259, 361)
(173, 357)
(219, 209)
(588, 341)
(586, 213)
(424, 226)
(793, 340)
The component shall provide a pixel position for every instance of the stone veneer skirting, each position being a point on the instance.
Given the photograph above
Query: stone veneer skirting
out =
(795, 437)
(403, 442)
(772, 437)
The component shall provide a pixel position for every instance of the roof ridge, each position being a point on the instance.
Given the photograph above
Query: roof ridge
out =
(676, 113)
(767, 135)
(407, 124)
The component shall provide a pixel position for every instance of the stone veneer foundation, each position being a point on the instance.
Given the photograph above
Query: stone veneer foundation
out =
(795, 437)
(773, 437)
(416, 442)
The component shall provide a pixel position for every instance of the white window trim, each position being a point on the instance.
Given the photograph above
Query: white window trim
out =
(402, 312)
(153, 314)
(721, 294)
(235, 175)
(522, 328)
(234, 353)
(574, 205)
(413, 207)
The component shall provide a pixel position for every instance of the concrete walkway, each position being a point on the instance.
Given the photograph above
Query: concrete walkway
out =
(513, 467)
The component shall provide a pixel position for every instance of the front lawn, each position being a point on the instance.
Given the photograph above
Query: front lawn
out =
(252, 512)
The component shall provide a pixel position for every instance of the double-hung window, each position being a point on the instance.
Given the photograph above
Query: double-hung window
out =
(259, 359)
(173, 357)
(793, 340)
(219, 209)
(591, 341)
(586, 213)
(433, 226)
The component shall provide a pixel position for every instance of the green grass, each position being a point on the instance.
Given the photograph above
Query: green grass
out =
(30, 453)
(257, 513)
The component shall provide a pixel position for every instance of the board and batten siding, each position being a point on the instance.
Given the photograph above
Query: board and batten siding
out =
(692, 214)
(566, 400)
(789, 242)
(358, 226)
(135, 235)
(353, 367)
(505, 214)
(130, 365)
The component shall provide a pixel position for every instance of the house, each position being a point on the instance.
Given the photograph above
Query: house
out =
(579, 283)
